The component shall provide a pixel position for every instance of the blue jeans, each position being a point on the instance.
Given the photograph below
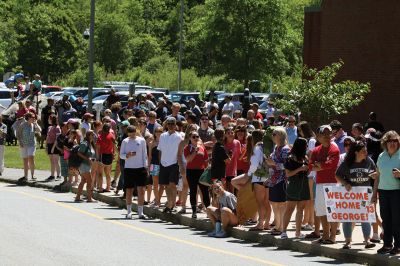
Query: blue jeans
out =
(348, 230)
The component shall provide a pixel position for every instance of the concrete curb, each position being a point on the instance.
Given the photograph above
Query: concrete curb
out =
(350, 256)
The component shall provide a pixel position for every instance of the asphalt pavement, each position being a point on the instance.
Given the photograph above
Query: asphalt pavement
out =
(39, 227)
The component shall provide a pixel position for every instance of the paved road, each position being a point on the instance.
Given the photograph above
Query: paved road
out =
(40, 227)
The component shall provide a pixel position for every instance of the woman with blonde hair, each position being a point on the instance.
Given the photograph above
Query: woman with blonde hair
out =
(277, 181)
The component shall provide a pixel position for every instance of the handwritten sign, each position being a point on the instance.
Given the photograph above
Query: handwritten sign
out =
(349, 206)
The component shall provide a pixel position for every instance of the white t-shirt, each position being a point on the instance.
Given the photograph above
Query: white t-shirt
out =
(168, 145)
(137, 145)
(228, 109)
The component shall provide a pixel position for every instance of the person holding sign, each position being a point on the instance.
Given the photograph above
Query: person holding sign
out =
(324, 160)
(355, 171)
(388, 179)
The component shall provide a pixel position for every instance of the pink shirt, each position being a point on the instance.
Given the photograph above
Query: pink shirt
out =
(52, 134)
(233, 150)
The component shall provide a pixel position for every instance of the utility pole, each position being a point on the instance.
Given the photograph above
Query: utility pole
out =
(180, 45)
(91, 56)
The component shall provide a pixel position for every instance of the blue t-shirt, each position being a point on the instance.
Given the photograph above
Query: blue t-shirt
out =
(385, 165)
(292, 134)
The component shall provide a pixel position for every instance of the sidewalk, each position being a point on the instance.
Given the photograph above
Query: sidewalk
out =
(356, 255)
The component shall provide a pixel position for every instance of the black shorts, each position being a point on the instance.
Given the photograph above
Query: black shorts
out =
(149, 180)
(49, 146)
(169, 174)
(135, 177)
(277, 193)
(106, 159)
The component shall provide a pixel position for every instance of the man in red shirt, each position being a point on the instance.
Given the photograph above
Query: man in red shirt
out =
(324, 160)
(257, 114)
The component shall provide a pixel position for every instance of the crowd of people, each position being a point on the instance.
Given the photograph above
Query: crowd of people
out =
(156, 149)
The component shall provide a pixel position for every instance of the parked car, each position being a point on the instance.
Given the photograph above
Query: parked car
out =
(183, 97)
(50, 88)
(96, 92)
(6, 96)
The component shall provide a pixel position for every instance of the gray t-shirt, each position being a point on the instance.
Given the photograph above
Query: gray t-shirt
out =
(206, 135)
(358, 173)
(228, 200)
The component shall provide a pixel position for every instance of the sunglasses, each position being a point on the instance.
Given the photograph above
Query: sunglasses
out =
(195, 137)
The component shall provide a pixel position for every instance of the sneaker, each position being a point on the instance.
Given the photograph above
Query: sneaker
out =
(194, 216)
(212, 234)
(129, 215)
(142, 217)
(375, 240)
(113, 183)
(182, 211)
(221, 234)
(395, 251)
(145, 203)
(58, 177)
(33, 178)
(284, 235)
(50, 178)
(384, 250)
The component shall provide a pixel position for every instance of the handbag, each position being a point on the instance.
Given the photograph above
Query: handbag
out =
(205, 178)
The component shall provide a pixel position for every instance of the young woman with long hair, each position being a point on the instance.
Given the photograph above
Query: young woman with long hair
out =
(297, 191)
(53, 131)
(154, 166)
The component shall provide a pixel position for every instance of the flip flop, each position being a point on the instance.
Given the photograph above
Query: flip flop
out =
(328, 242)
(312, 235)
(255, 229)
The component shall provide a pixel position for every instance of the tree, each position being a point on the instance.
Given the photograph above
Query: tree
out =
(243, 38)
(112, 43)
(49, 41)
(319, 98)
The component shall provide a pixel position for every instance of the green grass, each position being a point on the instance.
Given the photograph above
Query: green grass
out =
(12, 158)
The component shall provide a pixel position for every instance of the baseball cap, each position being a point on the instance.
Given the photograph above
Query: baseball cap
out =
(88, 115)
(125, 123)
(322, 128)
(192, 100)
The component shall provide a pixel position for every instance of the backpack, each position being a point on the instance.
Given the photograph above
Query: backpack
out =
(74, 160)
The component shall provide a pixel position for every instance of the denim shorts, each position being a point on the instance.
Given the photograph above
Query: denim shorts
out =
(154, 170)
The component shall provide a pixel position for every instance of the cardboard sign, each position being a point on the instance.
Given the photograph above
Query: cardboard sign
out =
(349, 206)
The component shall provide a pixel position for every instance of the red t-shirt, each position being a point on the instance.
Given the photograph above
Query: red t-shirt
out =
(200, 159)
(106, 143)
(258, 116)
(242, 163)
(329, 159)
(21, 112)
(233, 150)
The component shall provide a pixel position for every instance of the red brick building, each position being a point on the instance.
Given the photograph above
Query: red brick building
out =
(365, 34)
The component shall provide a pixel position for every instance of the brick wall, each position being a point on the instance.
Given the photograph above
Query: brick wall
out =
(365, 34)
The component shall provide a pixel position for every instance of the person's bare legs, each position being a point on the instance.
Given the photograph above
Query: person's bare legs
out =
(117, 171)
(290, 206)
(213, 215)
(299, 216)
(172, 195)
(56, 162)
(31, 160)
(268, 209)
(228, 218)
(52, 166)
(279, 209)
(156, 191)
(107, 173)
(26, 167)
(240, 181)
(184, 193)
(259, 193)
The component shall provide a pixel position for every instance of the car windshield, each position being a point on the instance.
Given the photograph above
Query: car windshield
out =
(176, 97)
(264, 105)
(101, 97)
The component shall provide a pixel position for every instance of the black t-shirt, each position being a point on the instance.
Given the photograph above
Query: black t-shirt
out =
(291, 164)
(358, 173)
(219, 156)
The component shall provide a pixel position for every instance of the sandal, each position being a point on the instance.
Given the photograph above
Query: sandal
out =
(255, 229)
(328, 242)
(312, 235)
(369, 245)
(346, 246)
(276, 232)
(318, 241)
